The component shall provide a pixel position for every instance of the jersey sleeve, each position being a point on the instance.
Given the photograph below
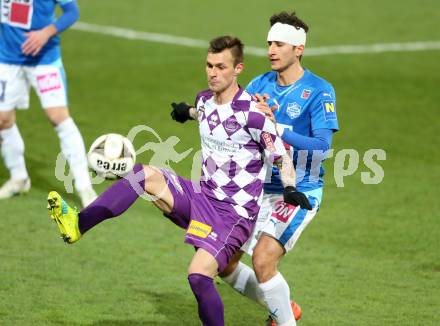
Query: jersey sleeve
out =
(323, 110)
(263, 132)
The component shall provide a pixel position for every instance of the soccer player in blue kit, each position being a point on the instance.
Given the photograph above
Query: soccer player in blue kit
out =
(30, 55)
(303, 106)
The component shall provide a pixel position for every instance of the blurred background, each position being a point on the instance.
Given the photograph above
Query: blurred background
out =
(370, 257)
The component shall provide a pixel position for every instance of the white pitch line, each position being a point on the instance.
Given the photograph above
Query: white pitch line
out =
(261, 52)
(373, 48)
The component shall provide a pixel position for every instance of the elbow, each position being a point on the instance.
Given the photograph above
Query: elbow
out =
(76, 14)
(71, 10)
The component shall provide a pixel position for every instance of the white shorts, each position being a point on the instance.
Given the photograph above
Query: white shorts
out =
(48, 81)
(281, 221)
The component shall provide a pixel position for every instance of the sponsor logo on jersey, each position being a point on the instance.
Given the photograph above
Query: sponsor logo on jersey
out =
(17, 13)
(267, 139)
(283, 211)
(293, 110)
(329, 110)
(305, 93)
(224, 146)
(48, 82)
(199, 229)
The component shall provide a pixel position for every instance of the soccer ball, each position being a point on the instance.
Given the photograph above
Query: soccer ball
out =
(112, 156)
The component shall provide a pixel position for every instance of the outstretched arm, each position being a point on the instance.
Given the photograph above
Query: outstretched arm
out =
(36, 40)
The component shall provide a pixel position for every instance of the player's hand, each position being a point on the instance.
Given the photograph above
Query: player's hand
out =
(263, 106)
(296, 198)
(36, 40)
(180, 112)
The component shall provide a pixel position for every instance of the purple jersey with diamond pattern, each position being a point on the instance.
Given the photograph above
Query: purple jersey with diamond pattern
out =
(237, 141)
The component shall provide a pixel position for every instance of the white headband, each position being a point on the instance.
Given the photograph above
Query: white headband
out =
(287, 33)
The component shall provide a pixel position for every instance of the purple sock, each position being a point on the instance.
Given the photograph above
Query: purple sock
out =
(115, 200)
(210, 303)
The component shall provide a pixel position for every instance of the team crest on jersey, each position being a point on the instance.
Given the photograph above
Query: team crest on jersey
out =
(293, 110)
(305, 93)
(231, 125)
(17, 13)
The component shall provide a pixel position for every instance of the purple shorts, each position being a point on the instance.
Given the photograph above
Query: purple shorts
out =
(210, 224)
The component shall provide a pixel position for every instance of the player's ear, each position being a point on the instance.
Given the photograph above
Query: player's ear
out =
(299, 50)
(238, 68)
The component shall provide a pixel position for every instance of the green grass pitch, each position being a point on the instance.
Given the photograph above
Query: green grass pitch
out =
(370, 257)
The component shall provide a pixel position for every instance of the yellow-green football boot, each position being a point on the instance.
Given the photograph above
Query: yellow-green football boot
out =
(65, 217)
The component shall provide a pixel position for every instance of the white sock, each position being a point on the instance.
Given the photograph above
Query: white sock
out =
(276, 294)
(12, 148)
(72, 146)
(244, 281)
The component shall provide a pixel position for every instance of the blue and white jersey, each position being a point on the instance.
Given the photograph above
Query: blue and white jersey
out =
(20, 16)
(307, 105)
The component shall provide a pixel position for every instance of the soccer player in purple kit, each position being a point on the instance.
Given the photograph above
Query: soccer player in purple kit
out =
(219, 211)
(30, 56)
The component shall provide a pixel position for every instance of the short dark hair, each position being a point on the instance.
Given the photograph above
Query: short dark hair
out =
(232, 43)
(291, 19)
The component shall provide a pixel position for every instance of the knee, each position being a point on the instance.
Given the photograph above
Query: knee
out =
(152, 175)
(149, 171)
(264, 266)
(57, 115)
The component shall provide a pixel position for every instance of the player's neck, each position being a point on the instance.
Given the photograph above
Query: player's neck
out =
(226, 95)
(290, 75)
